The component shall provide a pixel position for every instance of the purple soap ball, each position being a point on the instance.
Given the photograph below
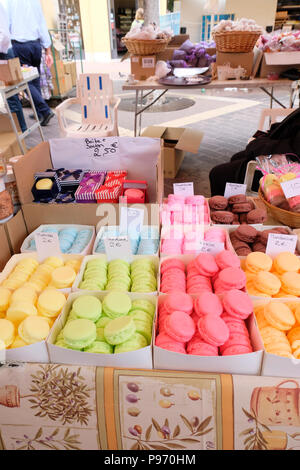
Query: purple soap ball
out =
(179, 55)
(187, 46)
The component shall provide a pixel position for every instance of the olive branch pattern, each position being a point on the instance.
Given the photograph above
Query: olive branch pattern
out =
(60, 395)
(170, 439)
(51, 442)
(254, 438)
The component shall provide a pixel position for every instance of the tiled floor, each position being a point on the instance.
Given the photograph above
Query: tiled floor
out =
(227, 118)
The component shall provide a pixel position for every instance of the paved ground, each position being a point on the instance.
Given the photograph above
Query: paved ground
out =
(227, 118)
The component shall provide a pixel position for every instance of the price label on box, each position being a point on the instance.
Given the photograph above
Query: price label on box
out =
(183, 189)
(131, 220)
(47, 244)
(118, 248)
(232, 189)
(210, 247)
(291, 188)
(277, 243)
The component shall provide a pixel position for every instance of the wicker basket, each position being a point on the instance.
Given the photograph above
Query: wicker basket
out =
(236, 41)
(145, 46)
(288, 218)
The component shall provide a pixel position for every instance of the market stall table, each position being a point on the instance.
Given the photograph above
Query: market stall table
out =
(268, 86)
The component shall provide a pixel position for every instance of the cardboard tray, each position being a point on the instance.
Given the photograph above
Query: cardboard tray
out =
(87, 250)
(136, 359)
(273, 365)
(86, 259)
(245, 364)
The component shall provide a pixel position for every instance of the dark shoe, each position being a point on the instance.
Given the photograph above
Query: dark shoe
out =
(32, 116)
(47, 118)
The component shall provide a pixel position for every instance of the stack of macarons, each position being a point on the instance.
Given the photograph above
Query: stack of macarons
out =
(71, 239)
(176, 240)
(205, 273)
(279, 327)
(185, 210)
(272, 278)
(235, 210)
(120, 276)
(205, 326)
(114, 325)
(246, 238)
(144, 243)
(26, 317)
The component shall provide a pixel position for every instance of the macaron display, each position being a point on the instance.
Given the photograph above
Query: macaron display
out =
(185, 210)
(206, 325)
(71, 239)
(235, 210)
(144, 243)
(205, 273)
(176, 241)
(272, 278)
(120, 276)
(279, 327)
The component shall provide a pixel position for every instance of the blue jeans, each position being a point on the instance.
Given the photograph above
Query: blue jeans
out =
(30, 53)
(14, 103)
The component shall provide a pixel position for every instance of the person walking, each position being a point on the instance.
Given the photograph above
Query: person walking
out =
(6, 53)
(29, 34)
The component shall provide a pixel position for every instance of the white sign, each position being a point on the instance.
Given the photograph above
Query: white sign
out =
(102, 147)
(118, 248)
(291, 188)
(278, 243)
(183, 189)
(232, 189)
(210, 247)
(47, 244)
(131, 220)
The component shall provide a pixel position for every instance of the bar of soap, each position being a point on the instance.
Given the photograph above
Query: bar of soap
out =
(45, 183)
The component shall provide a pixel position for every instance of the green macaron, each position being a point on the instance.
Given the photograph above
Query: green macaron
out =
(137, 341)
(88, 307)
(119, 330)
(142, 304)
(79, 334)
(116, 304)
(100, 347)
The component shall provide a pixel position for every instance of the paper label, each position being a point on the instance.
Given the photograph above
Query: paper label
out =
(210, 247)
(291, 188)
(232, 189)
(118, 248)
(148, 63)
(277, 243)
(131, 220)
(183, 189)
(47, 244)
(102, 148)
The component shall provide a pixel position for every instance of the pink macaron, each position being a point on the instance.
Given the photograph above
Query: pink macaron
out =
(171, 263)
(236, 350)
(237, 304)
(231, 278)
(200, 348)
(180, 326)
(206, 265)
(178, 301)
(227, 259)
(208, 303)
(213, 329)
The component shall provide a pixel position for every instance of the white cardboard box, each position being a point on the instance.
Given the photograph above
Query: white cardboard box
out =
(282, 58)
(141, 358)
(273, 365)
(249, 364)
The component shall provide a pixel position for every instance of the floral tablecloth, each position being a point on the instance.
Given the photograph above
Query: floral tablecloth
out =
(49, 406)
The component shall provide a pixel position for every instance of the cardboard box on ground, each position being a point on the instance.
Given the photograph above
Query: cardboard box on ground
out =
(35, 214)
(9, 146)
(12, 235)
(176, 141)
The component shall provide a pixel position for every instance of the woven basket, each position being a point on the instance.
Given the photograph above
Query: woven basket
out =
(145, 46)
(236, 41)
(288, 218)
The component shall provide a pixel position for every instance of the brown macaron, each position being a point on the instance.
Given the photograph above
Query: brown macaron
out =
(242, 207)
(237, 199)
(218, 203)
(259, 247)
(257, 216)
(222, 217)
(246, 233)
(243, 251)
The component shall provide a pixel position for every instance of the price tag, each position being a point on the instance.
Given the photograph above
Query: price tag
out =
(131, 220)
(102, 147)
(183, 189)
(118, 248)
(210, 247)
(232, 189)
(47, 244)
(278, 243)
(291, 188)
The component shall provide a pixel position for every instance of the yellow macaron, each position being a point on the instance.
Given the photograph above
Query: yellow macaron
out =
(63, 277)
(267, 283)
(54, 262)
(7, 331)
(24, 293)
(260, 317)
(33, 329)
(257, 261)
(19, 310)
(290, 283)
(51, 302)
(286, 262)
(18, 343)
(5, 295)
(44, 184)
(279, 315)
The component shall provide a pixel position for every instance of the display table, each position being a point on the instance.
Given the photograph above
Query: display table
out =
(48, 406)
(268, 86)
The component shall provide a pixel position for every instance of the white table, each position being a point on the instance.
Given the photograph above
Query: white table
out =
(140, 87)
(10, 90)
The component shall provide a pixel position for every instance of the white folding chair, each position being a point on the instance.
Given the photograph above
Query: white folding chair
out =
(99, 108)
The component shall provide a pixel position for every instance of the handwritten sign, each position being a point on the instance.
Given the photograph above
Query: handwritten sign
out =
(131, 220)
(118, 248)
(183, 189)
(291, 188)
(47, 244)
(232, 189)
(102, 147)
(278, 243)
(210, 247)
